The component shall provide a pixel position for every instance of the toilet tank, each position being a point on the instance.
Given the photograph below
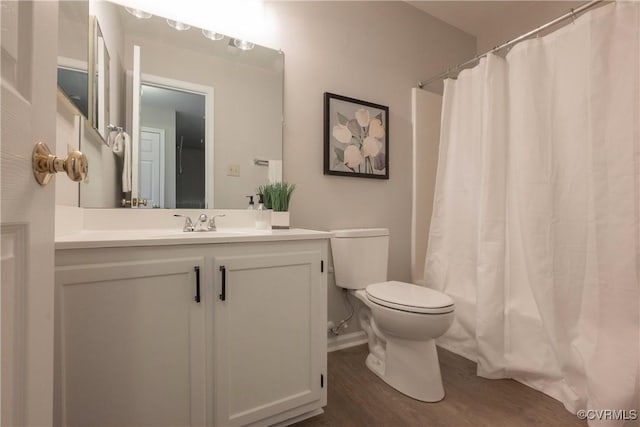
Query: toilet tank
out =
(360, 256)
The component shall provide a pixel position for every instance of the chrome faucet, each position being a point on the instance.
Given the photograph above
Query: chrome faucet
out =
(204, 223)
(188, 224)
(212, 222)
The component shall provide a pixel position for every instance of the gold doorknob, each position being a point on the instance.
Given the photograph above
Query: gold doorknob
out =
(46, 165)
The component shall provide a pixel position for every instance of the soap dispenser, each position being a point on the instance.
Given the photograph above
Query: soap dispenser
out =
(263, 217)
(251, 205)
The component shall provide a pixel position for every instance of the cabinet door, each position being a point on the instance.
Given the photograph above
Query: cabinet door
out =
(268, 335)
(130, 339)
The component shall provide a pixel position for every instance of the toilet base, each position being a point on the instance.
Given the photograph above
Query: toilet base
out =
(375, 365)
(411, 367)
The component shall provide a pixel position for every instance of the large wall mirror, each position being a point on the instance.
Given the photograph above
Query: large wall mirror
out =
(73, 53)
(203, 112)
(99, 105)
(83, 53)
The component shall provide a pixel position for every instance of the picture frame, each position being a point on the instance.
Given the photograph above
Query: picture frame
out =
(356, 137)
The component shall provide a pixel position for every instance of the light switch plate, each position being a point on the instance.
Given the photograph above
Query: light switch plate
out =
(233, 170)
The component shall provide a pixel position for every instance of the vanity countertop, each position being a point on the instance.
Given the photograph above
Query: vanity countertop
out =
(162, 237)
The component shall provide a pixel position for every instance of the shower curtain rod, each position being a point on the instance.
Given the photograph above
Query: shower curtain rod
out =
(571, 14)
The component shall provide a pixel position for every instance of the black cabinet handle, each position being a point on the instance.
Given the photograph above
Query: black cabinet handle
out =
(197, 270)
(223, 288)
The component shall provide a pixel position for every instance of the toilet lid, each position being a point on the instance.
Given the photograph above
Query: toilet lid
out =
(409, 297)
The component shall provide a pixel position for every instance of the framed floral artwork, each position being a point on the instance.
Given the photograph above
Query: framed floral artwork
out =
(356, 137)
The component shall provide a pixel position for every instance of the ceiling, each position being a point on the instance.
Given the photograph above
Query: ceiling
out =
(169, 99)
(495, 22)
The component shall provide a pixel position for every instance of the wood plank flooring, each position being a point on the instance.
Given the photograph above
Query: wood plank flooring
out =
(357, 397)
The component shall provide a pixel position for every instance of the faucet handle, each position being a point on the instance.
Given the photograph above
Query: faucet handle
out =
(212, 222)
(188, 224)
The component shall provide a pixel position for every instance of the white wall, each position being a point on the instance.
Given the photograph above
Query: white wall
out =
(101, 185)
(73, 31)
(529, 16)
(375, 51)
(68, 124)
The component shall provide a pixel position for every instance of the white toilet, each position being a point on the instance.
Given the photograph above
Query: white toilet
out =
(401, 320)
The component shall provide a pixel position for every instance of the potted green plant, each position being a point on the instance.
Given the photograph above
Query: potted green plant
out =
(277, 197)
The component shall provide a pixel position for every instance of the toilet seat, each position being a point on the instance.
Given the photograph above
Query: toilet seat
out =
(409, 297)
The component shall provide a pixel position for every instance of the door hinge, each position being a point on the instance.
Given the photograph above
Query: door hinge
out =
(322, 266)
(321, 380)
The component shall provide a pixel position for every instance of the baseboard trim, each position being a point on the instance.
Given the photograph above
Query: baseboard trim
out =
(345, 341)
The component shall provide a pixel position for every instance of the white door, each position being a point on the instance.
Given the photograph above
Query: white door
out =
(151, 172)
(29, 50)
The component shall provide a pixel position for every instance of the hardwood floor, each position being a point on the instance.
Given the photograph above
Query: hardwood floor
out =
(357, 397)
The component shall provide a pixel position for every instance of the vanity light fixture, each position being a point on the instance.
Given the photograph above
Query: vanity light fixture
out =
(140, 14)
(212, 35)
(243, 44)
(177, 25)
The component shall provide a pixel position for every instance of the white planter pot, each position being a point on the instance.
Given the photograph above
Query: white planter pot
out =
(279, 220)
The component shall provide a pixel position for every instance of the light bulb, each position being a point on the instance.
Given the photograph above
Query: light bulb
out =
(140, 14)
(177, 25)
(243, 44)
(212, 35)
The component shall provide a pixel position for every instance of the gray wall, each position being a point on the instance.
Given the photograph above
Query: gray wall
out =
(375, 51)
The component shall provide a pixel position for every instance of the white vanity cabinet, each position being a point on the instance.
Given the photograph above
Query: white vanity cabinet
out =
(267, 321)
(134, 347)
(130, 343)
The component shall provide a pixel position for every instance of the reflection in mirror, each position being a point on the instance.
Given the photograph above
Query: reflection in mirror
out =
(73, 49)
(74, 85)
(102, 186)
(99, 68)
(173, 164)
(172, 117)
(242, 92)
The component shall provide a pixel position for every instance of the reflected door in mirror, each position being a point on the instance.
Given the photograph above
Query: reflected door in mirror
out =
(175, 110)
(152, 148)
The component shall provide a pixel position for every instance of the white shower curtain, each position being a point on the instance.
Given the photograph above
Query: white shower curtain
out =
(535, 229)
